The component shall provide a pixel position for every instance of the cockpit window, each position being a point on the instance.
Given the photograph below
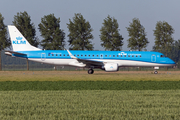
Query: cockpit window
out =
(162, 56)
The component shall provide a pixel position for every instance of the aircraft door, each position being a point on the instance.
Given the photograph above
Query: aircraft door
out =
(43, 56)
(153, 58)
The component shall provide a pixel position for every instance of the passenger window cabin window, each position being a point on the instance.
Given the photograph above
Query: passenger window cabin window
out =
(93, 55)
(132, 55)
(121, 55)
(113, 55)
(128, 55)
(136, 56)
(140, 56)
(56, 54)
(106, 55)
(109, 55)
(64, 55)
(97, 55)
(124, 55)
(89, 55)
(67, 55)
(117, 55)
(74, 55)
(85, 55)
(60, 55)
(77, 55)
(81, 55)
(52, 54)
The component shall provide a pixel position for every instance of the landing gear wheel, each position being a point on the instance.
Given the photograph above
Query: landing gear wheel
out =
(90, 71)
(155, 72)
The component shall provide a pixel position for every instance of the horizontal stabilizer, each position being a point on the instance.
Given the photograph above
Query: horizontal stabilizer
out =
(15, 54)
(12, 52)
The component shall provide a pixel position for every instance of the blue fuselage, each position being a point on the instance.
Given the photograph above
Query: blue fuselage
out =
(151, 58)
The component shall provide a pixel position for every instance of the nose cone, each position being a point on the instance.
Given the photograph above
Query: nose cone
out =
(171, 62)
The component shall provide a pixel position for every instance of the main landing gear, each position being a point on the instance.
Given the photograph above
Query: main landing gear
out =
(90, 71)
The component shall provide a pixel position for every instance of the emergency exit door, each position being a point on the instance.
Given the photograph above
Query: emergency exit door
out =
(153, 58)
(43, 56)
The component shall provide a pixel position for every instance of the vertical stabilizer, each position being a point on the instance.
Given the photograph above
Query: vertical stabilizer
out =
(18, 42)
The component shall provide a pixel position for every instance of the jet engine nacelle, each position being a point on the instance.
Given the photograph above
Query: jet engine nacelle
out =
(110, 67)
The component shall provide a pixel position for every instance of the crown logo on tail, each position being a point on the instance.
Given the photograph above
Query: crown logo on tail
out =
(19, 41)
(19, 38)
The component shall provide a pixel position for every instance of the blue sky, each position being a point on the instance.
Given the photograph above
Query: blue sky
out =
(148, 12)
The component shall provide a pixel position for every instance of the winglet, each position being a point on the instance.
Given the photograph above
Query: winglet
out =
(71, 55)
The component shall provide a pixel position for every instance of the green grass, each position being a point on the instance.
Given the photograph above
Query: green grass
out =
(77, 95)
(90, 104)
(89, 85)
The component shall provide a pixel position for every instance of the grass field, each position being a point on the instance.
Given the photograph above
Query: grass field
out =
(88, 105)
(77, 95)
(88, 85)
(83, 76)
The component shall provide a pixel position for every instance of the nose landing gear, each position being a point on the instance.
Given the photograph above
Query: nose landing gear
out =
(90, 71)
(155, 72)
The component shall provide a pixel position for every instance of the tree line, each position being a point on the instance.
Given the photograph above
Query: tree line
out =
(80, 34)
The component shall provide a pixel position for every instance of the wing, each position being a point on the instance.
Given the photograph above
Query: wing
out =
(91, 62)
(86, 61)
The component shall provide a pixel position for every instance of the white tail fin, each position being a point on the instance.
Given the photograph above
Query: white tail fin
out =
(19, 43)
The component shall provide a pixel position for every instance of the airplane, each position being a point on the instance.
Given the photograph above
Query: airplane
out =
(109, 61)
